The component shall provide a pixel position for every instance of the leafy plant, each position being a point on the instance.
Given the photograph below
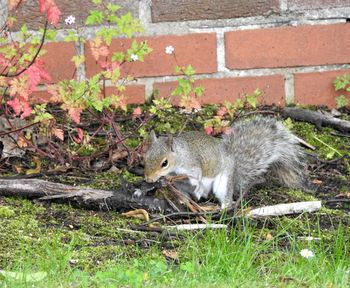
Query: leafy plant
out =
(187, 91)
(342, 83)
(70, 135)
(226, 113)
(23, 70)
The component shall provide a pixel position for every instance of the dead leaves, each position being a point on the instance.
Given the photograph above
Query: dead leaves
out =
(138, 213)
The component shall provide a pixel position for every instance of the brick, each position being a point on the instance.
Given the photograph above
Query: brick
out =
(179, 10)
(58, 60)
(29, 13)
(135, 94)
(316, 88)
(288, 46)
(316, 4)
(230, 89)
(199, 50)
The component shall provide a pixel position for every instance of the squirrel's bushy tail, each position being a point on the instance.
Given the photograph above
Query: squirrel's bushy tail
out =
(263, 145)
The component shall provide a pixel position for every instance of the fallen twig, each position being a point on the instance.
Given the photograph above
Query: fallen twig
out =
(196, 226)
(285, 209)
(317, 118)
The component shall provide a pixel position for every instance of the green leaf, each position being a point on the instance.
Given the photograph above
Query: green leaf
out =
(72, 36)
(341, 101)
(178, 69)
(97, 2)
(187, 267)
(107, 34)
(189, 71)
(288, 123)
(341, 82)
(8, 51)
(113, 7)
(251, 99)
(128, 25)
(78, 60)
(118, 56)
(50, 34)
(330, 154)
(198, 90)
(140, 49)
(95, 17)
(24, 29)
(112, 19)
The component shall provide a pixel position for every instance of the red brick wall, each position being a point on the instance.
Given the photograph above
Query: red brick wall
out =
(291, 49)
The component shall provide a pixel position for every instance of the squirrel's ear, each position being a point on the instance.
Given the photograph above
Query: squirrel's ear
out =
(170, 142)
(152, 137)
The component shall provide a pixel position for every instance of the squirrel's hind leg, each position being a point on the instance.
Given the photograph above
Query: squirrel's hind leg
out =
(288, 175)
(223, 190)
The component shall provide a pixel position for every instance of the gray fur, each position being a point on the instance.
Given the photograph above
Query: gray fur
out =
(229, 166)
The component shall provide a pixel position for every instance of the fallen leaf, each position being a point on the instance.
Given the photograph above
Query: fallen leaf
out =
(138, 213)
(170, 254)
(269, 236)
(78, 139)
(343, 195)
(18, 169)
(21, 142)
(58, 133)
(37, 168)
(316, 181)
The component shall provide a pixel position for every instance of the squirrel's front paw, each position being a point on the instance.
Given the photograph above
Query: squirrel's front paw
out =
(225, 205)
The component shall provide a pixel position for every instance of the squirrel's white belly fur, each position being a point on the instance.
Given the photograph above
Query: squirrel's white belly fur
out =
(217, 185)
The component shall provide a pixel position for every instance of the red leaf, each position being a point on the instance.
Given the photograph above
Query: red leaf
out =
(79, 138)
(74, 113)
(27, 110)
(53, 90)
(221, 112)
(209, 130)
(137, 112)
(58, 133)
(97, 50)
(50, 8)
(20, 105)
(15, 105)
(36, 73)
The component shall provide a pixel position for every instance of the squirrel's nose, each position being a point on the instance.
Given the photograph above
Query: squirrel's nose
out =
(149, 179)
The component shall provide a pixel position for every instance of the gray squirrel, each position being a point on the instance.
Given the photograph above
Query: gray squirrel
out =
(230, 165)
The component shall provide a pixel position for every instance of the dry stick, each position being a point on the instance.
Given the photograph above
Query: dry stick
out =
(18, 129)
(188, 227)
(285, 209)
(303, 142)
(189, 202)
(194, 214)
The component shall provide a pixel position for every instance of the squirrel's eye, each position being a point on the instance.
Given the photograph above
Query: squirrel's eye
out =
(164, 163)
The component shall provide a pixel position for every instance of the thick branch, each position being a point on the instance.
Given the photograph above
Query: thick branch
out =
(316, 118)
(88, 198)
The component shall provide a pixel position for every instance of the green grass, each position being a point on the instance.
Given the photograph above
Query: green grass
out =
(73, 248)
